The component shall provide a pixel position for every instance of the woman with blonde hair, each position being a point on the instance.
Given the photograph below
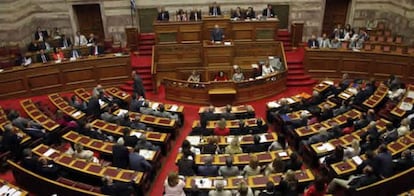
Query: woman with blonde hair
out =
(244, 190)
(233, 147)
(238, 75)
(173, 185)
(252, 168)
(288, 185)
(352, 150)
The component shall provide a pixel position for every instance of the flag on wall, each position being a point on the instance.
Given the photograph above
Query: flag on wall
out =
(132, 5)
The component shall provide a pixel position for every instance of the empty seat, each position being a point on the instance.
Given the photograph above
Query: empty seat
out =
(83, 186)
(66, 181)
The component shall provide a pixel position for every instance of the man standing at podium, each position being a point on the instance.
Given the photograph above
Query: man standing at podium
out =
(217, 34)
(215, 10)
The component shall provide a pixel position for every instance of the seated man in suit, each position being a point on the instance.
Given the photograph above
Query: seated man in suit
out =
(227, 114)
(313, 42)
(208, 169)
(250, 13)
(95, 49)
(214, 10)
(137, 162)
(42, 57)
(116, 188)
(237, 14)
(80, 40)
(65, 42)
(217, 34)
(268, 12)
(195, 15)
(120, 154)
(163, 15)
(41, 35)
(354, 181)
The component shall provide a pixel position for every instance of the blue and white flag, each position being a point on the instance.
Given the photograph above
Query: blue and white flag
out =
(132, 5)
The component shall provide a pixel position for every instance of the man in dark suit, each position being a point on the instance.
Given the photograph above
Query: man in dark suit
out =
(129, 140)
(208, 169)
(29, 161)
(163, 15)
(75, 53)
(41, 35)
(227, 114)
(269, 12)
(95, 49)
(217, 34)
(195, 15)
(385, 160)
(94, 108)
(42, 57)
(10, 141)
(33, 46)
(120, 154)
(137, 162)
(313, 42)
(137, 85)
(214, 9)
(65, 42)
(256, 146)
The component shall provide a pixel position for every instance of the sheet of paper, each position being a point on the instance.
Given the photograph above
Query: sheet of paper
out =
(290, 100)
(223, 181)
(194, 140)
(357, 160)
(174, 108)
(321, 148)
(203, 182)
(48, 152)
(283, 154)
(154, 106)
(4, 189)
(122, 112)
(353, 90)
(101, 103)
(263, 138)
(17, 193)
(330, 82)
(345, 95)
(273, 104)
(76, 114)
(147, 154)
(11, 191)
(406, 106)
(329, 146)
(136, 134)
(410, 94)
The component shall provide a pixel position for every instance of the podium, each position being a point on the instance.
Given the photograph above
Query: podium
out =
(222, 93)
(218, 53)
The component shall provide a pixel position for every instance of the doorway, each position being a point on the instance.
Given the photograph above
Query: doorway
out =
(282, 12)
(147, 17)
(90, 20)
(335, 13)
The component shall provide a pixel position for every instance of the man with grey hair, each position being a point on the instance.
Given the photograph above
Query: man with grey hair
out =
(120, 154)
(208, 169)
(219, 191)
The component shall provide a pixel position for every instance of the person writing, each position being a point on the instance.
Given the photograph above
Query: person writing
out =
(217, 34)
(220, 77)
(194, 77)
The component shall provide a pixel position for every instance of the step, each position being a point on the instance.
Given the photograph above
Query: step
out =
(295, 66)
(300, 83)
(146, 42)
(141, 67)
(296, 72)
(145, 47)
(287, 44)
(143, 72)
(283, 39)
(129, 88)
(298, 77)
(145, 53)
(288, 48)
(283, 32)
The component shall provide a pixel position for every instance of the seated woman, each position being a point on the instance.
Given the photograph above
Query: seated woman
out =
(221, 128)
(267, 69)
(221, 77)
(238, 75)
(194, 77)
(237, 14)
(58, 54)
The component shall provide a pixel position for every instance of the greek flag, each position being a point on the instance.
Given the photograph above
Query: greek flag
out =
(132, 5)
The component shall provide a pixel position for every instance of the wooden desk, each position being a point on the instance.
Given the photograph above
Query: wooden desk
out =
(257, 181)
(225, 140)
(90, 168)
(332, 63)
(38, 79)
(105, 147)
(86, 96)
(291, 100)
(218, 54)
(118, 93)
(239, 109)
(9, 189)
(222, 96)
(64, 106)
(4, 120)
(196, 31)
(35, 114)
(376, 98)
(407, 99)
(152, 121)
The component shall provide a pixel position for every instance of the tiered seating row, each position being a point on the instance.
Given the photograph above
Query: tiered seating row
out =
(225, 140)
(231, 124)
(4, 121)
(377, 97)
(405, 103)
(35, 114)
(64, 106)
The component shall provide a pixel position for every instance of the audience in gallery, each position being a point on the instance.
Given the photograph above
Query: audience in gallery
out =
(58, 54)
(174, 185)
(181, 15)
(163, 15)
(250, 13)
(238, 14)
(43, 57)
(313, 42)
(79, 39)
(41, 35)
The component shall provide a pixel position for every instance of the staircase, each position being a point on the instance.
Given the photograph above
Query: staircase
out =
(141, 62)
(296, 73)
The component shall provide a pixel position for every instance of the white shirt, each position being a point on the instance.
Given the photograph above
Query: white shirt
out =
(267, 70)
(80, 40)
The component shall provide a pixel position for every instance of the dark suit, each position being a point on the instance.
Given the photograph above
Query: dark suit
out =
(138, 86)
(250, 14)
(313, 43)
(30, 163)
(208, 170)
(385, 161)
(217, 35)
(228, 116)
(120, 156)
(33, 47)
(93, 49)
(215, 11)
(93, 107)
(209, 149)
(193, 15)
(63, 40)
(163, 16)
(130, 141)
(44, 35)
(40, 60)
(271, 12)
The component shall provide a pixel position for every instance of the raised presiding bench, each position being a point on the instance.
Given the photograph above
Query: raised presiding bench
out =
(257, 181)
(232, 124)
(104, 147)
(238, 109)
(243, 158)
(35, 114)
(9, 189)
(90, 168)
(225, 140)
(38, 78)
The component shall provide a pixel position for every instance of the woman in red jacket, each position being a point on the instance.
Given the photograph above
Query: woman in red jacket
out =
(221, 128)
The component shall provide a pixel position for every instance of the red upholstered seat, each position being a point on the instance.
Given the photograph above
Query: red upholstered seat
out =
(66, 181)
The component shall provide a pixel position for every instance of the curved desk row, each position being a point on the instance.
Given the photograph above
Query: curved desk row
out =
(221, 93)
(332, 63)
(38, 78)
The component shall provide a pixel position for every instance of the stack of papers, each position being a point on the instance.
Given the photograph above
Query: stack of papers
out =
(326, 147)
(203, 182)
(224, 182)
(406, 106)
(410, 94)
(290, 100)
(155, 106)
(147, 154)
(357, 160)
(174, 108)
(346, 95)
(263, 138)
(273, 104)
(283, 154)
(330, 82)
(353, 90)
(136, 134)
(122, 112)
(76, 114)
(101, 103)
(48, 152)
(194, 140)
